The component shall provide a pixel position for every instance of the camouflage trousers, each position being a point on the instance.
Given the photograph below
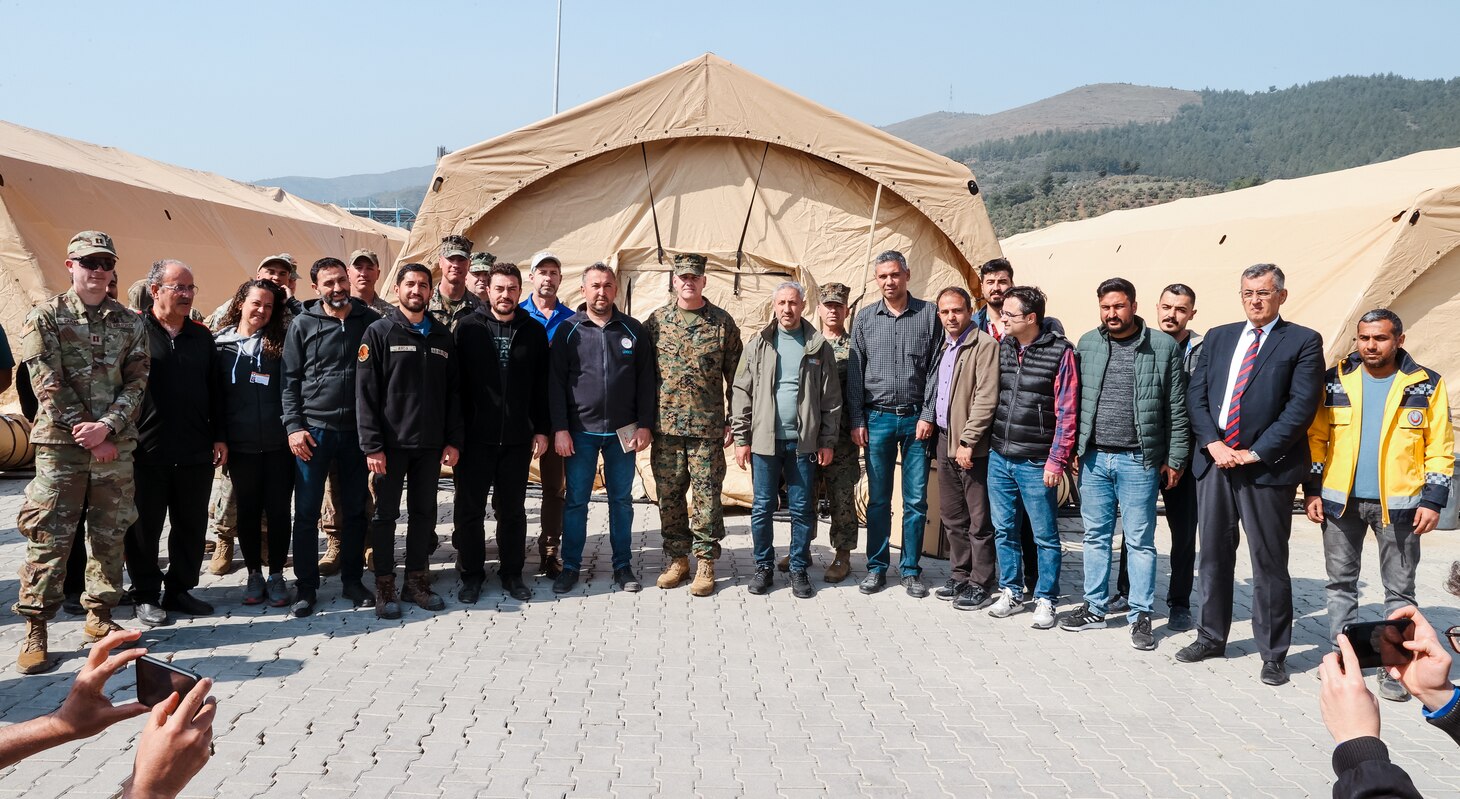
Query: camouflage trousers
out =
(681, 464)
(67, 481)
(838, 484)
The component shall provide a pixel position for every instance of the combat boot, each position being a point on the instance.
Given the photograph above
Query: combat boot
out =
(34, 657)
(387, 602)
(704, 583)
(840, 566)
(551, 565)
(99, 623)
(675, 573)
(329, 562)
(222, 562)
(418, 590)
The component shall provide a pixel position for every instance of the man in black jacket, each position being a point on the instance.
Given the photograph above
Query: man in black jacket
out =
(504, 380)
(410, 424)
(179, 441)
(320, 352)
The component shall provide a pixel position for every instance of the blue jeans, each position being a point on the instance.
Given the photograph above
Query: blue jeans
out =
(800, 474)
(618, 477)
(887, 435)
(340, 448)
(1111, 481)
(1012, 480)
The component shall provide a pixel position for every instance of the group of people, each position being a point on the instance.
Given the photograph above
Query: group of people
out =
(351, 404)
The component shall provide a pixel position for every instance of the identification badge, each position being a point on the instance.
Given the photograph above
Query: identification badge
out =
(260, 378)
(402, 348)
(95, 340)
(627, 343)
(441, 352)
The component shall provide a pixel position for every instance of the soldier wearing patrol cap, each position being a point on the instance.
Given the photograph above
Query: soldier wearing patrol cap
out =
(480, 275)
(839, 480)
(697, 349)
(364, 267)
(88, 362)
(452, 302)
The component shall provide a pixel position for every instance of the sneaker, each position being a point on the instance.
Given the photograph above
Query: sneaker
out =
(304, 604)
(761, 581)
(950, 589)
(253, 593)
(276, 590)
(1007, 604)
(626, 581)
(914, 586)
(1390, 688)
(972, 597)
(1082, 618)
(801, 584)
(1179, 620)
(1140, 633)
(565, 581)
(872, 583)
(1043, 614)
(1118, 604)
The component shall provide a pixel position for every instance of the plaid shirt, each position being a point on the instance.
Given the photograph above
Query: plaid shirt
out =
(1066, 412)
(891, 358)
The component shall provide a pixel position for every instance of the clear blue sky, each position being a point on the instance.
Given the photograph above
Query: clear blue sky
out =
(322, 88)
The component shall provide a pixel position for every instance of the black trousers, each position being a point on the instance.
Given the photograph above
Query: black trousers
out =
(175, 494)
(415, 471)
(502, 471)
(263, 486)
(1180, 502)
(964, 507)
(1226, 497)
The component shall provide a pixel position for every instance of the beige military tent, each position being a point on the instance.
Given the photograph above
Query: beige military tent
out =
(51, 187)
(1384, 235)
(709, 158)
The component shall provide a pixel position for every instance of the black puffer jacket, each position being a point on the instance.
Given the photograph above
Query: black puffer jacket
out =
(252, 385)
(1024, 419)
(500, 407)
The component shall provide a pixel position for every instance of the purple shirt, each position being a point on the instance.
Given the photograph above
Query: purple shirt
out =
(945, 377)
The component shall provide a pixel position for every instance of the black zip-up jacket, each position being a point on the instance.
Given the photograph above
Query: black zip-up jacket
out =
(182, 408)
(407, 387)
(319, 367)
(253, 394)
(496, 407)
(602, 377)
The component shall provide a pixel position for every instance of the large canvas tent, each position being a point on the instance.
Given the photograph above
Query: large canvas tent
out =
(709, 158)
(1383, 235)
(51, 187)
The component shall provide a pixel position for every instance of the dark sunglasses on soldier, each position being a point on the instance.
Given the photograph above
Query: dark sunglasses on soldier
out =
(93, 263)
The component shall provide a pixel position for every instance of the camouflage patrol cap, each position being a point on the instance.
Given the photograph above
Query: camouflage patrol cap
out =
(367, 254)
(282, 258)
(90, 242)
(455, 245)
(835, 292)
(689, 263)
(482, 262)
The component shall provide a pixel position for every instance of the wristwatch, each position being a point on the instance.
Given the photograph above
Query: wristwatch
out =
(1255, 456)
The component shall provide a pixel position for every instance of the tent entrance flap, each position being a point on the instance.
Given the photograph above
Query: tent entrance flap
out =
(747, 293)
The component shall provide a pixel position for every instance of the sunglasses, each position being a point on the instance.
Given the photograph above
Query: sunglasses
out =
(92, 263)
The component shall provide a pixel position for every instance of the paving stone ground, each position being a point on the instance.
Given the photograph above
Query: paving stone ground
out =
(604, 694)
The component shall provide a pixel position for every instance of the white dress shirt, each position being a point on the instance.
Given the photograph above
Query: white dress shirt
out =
(1239, 352)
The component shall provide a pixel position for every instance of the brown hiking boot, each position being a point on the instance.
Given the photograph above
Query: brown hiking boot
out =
(222, 562)
(675, 573)
(784, 564)
(840, 566)
(99, 624)
(387, 602)
(551, 565)
(34, 657)
(329, 562)
(418, 590)
(704, 583)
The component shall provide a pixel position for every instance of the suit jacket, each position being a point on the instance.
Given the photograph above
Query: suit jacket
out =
(1278, 404)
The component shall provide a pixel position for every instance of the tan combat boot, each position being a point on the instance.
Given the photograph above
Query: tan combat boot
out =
(840, 566)
(222, 562)
(329, 562)
(675, 573)
(704, 583)
(99, 623)
(34, 658)
(418, 590)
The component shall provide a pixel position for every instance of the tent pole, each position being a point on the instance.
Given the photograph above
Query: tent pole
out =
(871, 235)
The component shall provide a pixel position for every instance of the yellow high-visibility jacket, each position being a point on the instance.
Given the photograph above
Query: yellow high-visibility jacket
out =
(1417, 443)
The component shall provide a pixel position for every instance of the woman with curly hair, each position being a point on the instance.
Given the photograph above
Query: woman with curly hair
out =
(250, 347)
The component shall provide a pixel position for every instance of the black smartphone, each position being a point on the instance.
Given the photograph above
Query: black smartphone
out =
(1380, 643)
(157, 679)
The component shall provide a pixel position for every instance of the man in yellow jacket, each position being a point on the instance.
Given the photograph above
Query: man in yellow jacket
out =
(1383, 454)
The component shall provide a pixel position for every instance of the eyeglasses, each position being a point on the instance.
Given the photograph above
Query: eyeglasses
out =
(179, 289)
(1008, 315)
(91, 264)
(1454, 635)
(1261, 294)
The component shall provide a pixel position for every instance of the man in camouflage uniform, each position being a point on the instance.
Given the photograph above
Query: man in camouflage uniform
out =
(697, 349)
(841, 477)
(87, 359)
(452, 302)
(480, 275)
(364, 269)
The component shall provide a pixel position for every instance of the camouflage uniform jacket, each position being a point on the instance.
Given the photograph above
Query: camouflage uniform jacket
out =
(449, 313)
(381, 306)
(85, 368)
(696, 355)
(843, 349)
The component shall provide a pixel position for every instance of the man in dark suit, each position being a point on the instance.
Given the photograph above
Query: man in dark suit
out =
(1252, 396)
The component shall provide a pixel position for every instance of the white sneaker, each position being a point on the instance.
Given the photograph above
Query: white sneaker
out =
(1043, 614)
(1007, 604)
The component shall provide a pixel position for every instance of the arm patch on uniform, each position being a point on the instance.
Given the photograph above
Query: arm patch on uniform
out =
(363, 354)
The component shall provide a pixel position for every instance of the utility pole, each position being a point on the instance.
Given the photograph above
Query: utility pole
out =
(557, 55)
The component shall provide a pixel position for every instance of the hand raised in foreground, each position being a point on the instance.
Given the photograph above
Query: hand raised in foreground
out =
(175, 744)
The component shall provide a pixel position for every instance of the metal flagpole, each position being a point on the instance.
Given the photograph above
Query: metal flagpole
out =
(557, 55)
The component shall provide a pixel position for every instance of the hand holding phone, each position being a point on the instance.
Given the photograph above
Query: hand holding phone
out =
(1380, 643)
(157, 680)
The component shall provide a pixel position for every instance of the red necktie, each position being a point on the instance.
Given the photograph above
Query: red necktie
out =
(1244, 374)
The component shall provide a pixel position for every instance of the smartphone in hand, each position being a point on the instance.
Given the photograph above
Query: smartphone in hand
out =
(157, 680)
(1380, 643)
